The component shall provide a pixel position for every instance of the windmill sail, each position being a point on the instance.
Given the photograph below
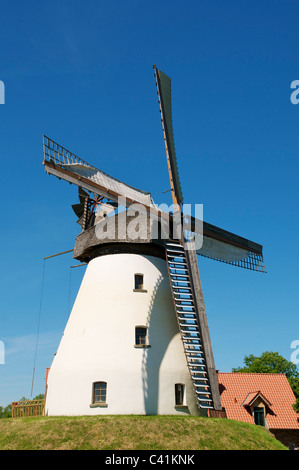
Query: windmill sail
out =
(214, 242)
(220, 245)
(64, 164)
(231, 254)
(164, 92)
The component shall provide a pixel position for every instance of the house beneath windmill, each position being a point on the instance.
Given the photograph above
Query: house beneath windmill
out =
(262, 399)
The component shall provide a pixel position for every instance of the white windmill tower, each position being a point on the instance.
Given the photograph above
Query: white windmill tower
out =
(137, 339)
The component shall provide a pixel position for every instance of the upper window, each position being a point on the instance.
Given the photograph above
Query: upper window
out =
(99, 392)
(140, 335)
(138, 282)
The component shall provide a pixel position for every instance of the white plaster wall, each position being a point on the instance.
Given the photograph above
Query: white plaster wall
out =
(98, 343)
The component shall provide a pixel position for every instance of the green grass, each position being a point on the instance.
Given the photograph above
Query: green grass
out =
(133, 433)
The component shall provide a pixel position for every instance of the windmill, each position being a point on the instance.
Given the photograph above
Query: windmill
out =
(171, 367)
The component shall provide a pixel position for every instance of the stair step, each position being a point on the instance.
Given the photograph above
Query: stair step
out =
(189, 332)
(188, 320)
(189, 324)
(180, 300)
(186, 311)
(189, 351)
(187, 340)
(191, 316)
(179, 249)
(177, 255)
(178, 275)
(178, 281)
(183, 287)
(177, 298)
(177, 262)
(174, 243)
(192, 352)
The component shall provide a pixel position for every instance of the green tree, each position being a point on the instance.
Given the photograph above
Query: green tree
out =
(5, 412)
(272, 363)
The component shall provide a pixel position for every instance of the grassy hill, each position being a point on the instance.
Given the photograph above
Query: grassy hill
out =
(133, 433)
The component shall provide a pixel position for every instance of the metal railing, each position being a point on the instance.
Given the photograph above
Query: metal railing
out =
(60, 155)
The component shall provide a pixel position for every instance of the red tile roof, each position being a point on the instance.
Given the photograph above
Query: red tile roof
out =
(251, 397)
(235, 388)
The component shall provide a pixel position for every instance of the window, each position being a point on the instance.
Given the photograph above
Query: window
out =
(140, 335)
(99, 392)
(138, 281)
(179, 394)
(259, 415)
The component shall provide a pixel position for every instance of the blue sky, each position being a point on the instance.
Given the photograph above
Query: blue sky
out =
(81, 73)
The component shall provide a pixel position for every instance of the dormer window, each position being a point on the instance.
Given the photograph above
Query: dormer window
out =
(256, 404)
(259, 415)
